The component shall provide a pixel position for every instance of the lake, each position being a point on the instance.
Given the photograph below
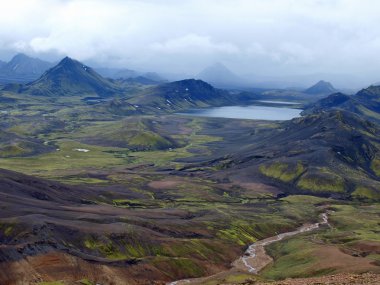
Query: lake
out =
(252, 112)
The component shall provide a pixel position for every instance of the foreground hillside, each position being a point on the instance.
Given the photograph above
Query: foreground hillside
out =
(339, 279)
(129, 212)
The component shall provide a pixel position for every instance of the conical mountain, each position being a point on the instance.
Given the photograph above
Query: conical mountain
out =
(71, 77)
(23, 64)
(220, 76)
(22, 68)
(321, 87)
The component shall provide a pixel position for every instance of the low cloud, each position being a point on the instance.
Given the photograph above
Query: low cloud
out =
(194, 44)
(250, 36)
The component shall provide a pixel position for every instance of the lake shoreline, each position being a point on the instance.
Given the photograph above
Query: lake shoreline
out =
(282, 112)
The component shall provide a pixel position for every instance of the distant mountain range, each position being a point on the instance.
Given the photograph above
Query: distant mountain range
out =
(118, 73)
(73, 78)
(22, 68)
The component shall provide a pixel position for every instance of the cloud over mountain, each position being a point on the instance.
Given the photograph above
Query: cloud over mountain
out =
(268, 37)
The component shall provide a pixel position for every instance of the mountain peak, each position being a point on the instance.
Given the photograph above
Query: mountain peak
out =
(66, 59)
(24, 66)
(219, 75)
(218, 65)
(321, 87)
(72, 63)
(191, 83)
(71, 77)
(20, 56)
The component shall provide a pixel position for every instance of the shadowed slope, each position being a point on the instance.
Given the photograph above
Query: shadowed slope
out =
(329, 154)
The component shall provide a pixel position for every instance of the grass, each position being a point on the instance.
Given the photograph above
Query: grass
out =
(66, 161)
(239, 233)
(366, 193)
(86, 282)
(149, 140)
(106, 249)
(282, 171)
(184, 266)
(375, 166)
(293, 258)
(352, 225)
(201, 222)
(322, 180)
(7, 228)
(359, 222)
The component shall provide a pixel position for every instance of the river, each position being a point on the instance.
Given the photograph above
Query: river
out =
(255, 258)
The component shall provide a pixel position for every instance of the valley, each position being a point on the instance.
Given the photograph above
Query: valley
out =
(103, 182)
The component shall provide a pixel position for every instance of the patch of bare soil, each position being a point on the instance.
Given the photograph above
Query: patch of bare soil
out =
(165, 184)
(69, 269)
(253, 188)
(336, 279)
(334, 258)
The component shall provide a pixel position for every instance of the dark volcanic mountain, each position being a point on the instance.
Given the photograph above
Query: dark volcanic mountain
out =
(327, 154)
(365, 103)
(70, 77)
(180, 95)
(330, 102)
(23, 68)
(219, 75)
(321, 87)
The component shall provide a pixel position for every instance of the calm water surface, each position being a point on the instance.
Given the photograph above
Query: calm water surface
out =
(279, 102)
(247, 112)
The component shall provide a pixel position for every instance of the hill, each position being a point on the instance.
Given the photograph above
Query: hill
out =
(13, 145)
(333, 154)
(136, 133)
(365, 103)
(70, 77)
(181, 95)
(22, 68)
(321, 87)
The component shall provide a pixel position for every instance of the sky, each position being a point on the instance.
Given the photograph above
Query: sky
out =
(254, 38)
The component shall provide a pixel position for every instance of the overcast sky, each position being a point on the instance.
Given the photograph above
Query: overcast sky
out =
(263, 37)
